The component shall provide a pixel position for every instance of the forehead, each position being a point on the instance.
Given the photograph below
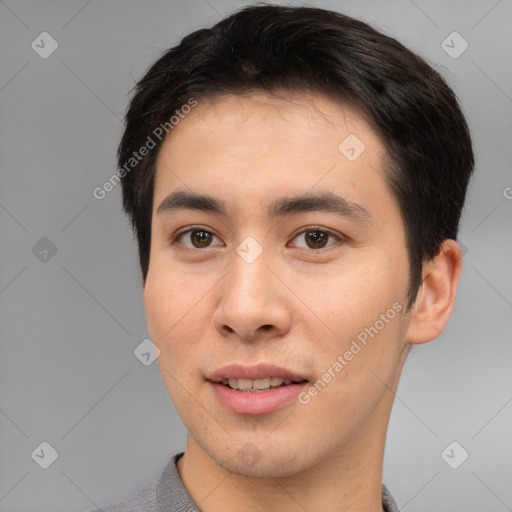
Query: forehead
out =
(286, 116)
(255, 144)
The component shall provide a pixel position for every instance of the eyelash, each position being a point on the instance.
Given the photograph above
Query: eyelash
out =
(176, 238)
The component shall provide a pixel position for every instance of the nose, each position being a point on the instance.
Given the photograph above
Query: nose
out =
(254, 303)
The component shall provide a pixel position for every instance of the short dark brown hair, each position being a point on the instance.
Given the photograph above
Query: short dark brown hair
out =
(272, 48)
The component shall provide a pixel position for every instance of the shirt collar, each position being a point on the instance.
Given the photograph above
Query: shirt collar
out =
(173, 496)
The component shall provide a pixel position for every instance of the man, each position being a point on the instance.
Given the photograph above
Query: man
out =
(295, 180)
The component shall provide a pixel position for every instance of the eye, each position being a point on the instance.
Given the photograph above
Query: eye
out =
(199, 238)
(316, 238)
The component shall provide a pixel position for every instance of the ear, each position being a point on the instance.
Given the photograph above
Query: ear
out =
(436, 295)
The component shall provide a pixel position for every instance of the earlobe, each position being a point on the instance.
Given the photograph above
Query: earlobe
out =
(436, 296)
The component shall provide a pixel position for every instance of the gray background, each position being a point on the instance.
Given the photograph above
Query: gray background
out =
(71, 321)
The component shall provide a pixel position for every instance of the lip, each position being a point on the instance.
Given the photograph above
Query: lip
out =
(254, 403)
(260, 371)
(261, 402)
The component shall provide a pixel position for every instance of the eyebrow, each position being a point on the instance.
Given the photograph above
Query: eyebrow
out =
(324, 201)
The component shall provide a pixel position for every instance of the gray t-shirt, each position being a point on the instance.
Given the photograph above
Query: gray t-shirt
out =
(169, 495)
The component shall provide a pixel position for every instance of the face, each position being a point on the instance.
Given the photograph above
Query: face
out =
(292, 266)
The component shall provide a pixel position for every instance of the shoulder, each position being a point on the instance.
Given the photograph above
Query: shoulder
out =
(144, 501)
(388, 503)
(167, 494)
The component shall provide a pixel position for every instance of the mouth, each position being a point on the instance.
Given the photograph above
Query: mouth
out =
(258, 385)
(256, 378)
(257, 389)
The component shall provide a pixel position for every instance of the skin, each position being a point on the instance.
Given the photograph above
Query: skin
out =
(294, 306)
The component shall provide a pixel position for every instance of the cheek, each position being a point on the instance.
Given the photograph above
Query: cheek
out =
(352, 295)
(168, 297)
(173, 306)
(362, 311)
(170, 321)
(159, 307)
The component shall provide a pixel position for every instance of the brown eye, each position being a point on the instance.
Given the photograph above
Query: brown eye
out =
(198, 238)
(316, 238)
(203, 238)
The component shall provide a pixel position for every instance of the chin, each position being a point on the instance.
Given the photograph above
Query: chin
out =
(254, 462)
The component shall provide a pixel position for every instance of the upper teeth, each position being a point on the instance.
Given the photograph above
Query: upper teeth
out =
(265, 383)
